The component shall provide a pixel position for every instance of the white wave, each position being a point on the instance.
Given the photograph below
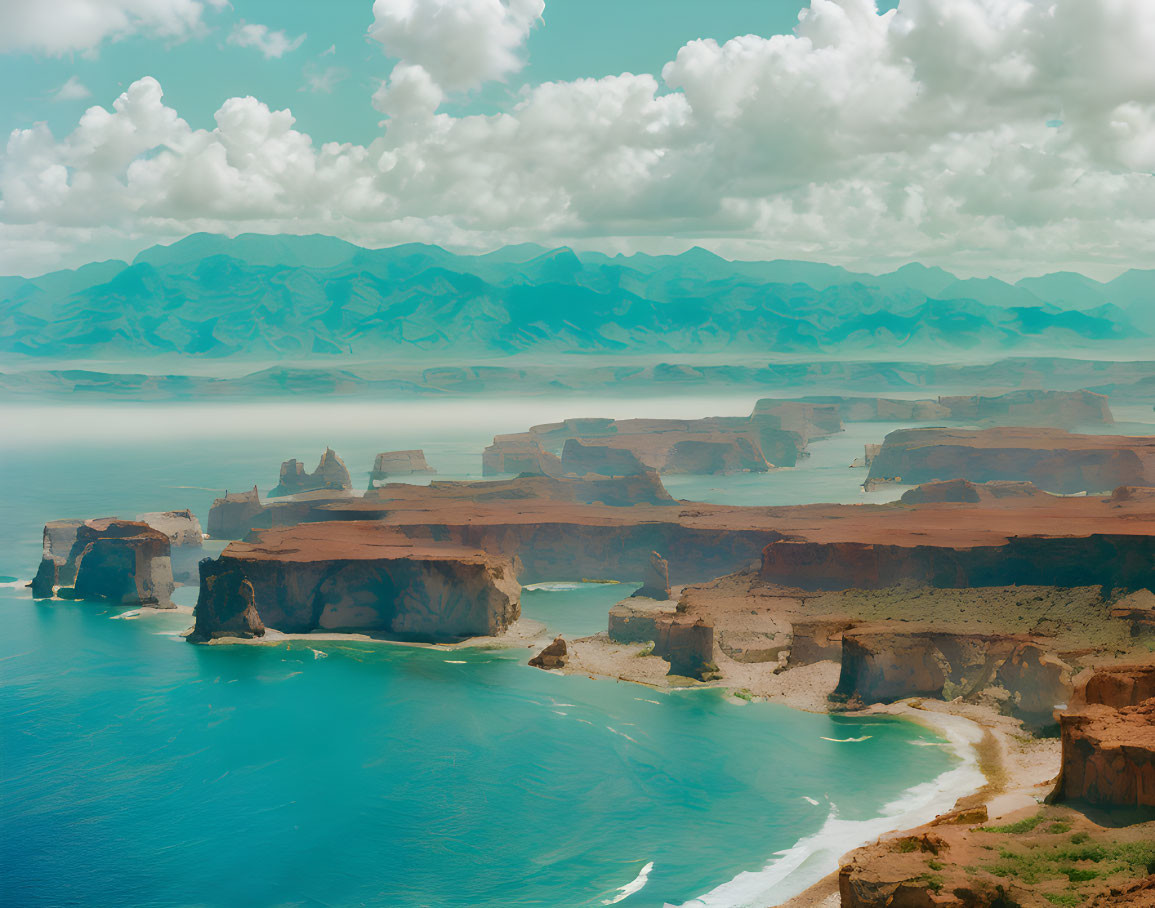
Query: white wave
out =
(14, 584)
(817, 855)
(644, 700)
(621, 734)
(318, 654)
(846, 740)
(551, 587)
(635, 885)
(809, 800)
(454, 661)
(929, 743)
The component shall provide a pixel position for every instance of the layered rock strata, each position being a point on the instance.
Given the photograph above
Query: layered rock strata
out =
(1052, 459)
(656, 583)
(56, 569)
(1108, 740)
(123, 562)
(357, 576)
(331, 474)
(232, 516)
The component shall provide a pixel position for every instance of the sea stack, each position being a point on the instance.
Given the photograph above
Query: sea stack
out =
(331, 475)
(656, 584)
(398, 463)
(123, 562)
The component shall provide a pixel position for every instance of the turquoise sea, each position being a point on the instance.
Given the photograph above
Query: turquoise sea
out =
(136, 769)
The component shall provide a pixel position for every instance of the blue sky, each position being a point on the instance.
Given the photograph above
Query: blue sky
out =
(1003, 137)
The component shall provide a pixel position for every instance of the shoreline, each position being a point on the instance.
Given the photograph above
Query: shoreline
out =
(1001, 768)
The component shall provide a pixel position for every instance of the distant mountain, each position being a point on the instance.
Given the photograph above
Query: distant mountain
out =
(294, 297)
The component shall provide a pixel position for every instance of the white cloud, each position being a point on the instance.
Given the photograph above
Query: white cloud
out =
(72, 90)
(862, 138)
(322, 81)
(459, 43)
(65, 26)
(273, 44)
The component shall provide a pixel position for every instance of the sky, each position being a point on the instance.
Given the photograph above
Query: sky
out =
(1006, 137)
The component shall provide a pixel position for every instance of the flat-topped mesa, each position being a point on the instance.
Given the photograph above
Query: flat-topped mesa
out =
(357, 576)
(1052, 459)
(123, 562)
(231, 517)
(774, 436)
(398, 463)
(330, 475)
(963, 490)
(185, 537)
(882, 663)
(1108, 740)
(1060, 409)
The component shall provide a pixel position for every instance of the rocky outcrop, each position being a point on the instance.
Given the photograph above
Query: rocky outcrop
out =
(772, 436)
(123, 562)
(1139, 609)
(656, 584)
(553, 656)
(964, 491)
(637, 622)
(817, 640)
(688, 645)
(231, 517)
(882, 663)
(581, 459)
(55, 567)
(1124, 561)
(359, 576)
(330, 475)
(521, 455)
(1052, 459)
(1060, 409)
(398, 463)
(185, 537)
(1109, 757)
(1108, 740)
(227, 604)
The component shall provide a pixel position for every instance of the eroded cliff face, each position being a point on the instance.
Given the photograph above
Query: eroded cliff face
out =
(1052, 459)
(185, 538)
(884, 663)
(123, 562)
(357, 577)
(1108, 740)
(56, 569)
(331, 474)
(772, 436)
(231, 517)
(1122, 561)
(398, 463)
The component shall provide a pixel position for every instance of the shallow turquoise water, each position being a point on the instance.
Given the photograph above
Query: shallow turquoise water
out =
(140, 770)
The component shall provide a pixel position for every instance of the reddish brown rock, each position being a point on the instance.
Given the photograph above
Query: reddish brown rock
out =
(656, 584)
(330, 475)
(521, 455)
(637, 622)
(1117, 686)
(553, 656)
(185, 538)
(1109, 756)
(817, 640)
(1052, 459)
(364, 577)
(123, 562)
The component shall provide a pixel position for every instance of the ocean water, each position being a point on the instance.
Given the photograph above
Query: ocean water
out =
(136, 769)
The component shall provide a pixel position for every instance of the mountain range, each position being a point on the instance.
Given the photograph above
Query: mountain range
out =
(304, 297)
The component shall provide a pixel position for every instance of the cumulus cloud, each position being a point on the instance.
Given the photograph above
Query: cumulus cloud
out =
(927, 132)
(66, 26)
(459, 43)
(271, 43)
(72, 90)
